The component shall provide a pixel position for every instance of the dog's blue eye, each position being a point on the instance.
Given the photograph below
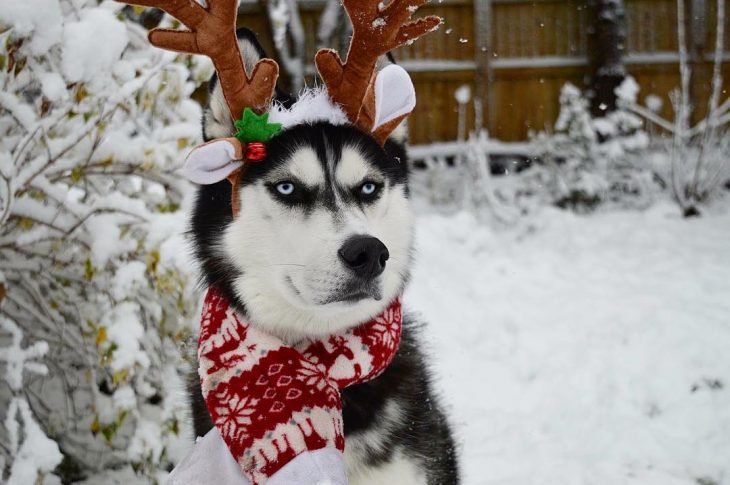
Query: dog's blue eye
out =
(368, 188)
(285, 188)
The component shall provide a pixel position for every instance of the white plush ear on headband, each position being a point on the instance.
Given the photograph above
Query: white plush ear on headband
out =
(400, 98)
(212, 162)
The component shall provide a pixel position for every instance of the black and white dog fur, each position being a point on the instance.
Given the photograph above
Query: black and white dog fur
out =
(280, 261)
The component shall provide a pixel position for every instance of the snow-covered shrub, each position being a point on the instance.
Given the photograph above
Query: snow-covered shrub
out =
(93, 123)
(30, 453)
(458, 175)
(588, 160)
(694, 159)
(489, 197)
(584, 162)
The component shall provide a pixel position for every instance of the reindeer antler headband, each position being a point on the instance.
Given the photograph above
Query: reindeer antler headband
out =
(353, 85)
(377, 28)
(213, 34)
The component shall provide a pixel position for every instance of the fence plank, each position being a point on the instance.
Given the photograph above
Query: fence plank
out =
(533, 48)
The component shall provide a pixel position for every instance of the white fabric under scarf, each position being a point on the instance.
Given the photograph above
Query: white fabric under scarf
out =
(210, 462)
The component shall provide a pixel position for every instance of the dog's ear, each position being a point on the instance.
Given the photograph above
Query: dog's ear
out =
(217, 121)
(214, 161)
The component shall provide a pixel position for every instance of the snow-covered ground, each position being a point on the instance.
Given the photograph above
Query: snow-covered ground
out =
(585, 350)
(582, 349)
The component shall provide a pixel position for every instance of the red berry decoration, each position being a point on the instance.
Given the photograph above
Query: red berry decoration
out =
(255, 151)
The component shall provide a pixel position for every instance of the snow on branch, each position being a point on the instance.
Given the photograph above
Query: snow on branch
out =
(288, 33)
(18, 359)
(31, 452)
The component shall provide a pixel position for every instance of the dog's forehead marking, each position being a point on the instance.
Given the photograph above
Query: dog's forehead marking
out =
(353, 168)
(304, 164)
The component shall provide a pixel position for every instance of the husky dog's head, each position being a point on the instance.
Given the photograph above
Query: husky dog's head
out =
(322, 240)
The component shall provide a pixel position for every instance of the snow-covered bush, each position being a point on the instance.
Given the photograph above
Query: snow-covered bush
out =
(93, 123)
(493, 198)
(30, 453)
(584, 162)
(588, 160)
(694, 159)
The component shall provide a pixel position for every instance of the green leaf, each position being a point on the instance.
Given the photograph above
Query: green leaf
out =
(77, 174)
(253, 127)
(88, 270)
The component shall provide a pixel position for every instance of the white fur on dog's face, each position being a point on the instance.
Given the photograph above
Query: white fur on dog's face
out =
(291, 274)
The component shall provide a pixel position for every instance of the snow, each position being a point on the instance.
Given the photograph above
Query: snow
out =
(453, 149)
(146, 439)
(53, 86)
(38, 453)
(419, 65)
(124, 399)
(17, 359)
(628, 90)
(379, 23)
(21, 112)
(30, 451)
(38, 20)
(107, 241)
(126, 332)
(581, 349)
(537, 62)
(286, 25)
(463, 94)
(128, 277)
(82, 59)
(658, 57)
(653, 102)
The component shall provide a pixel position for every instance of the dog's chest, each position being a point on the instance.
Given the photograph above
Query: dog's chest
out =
(373, 457)
(399, 469)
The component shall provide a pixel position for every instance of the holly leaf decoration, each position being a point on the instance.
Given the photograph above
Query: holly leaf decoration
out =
(252, 127)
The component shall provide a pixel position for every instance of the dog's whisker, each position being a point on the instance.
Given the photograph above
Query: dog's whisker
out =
(283, 264)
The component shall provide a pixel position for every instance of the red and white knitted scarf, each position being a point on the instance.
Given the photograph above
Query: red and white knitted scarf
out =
(272, 402)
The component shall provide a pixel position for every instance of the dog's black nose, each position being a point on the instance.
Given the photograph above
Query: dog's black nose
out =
(364, 255)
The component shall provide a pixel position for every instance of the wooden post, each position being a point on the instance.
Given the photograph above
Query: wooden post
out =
(606, 45)
(482, 53)
(701, 70)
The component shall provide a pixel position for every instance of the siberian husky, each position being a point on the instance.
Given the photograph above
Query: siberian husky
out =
(323, 241)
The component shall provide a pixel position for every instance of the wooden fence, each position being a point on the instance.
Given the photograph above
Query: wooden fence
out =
(515, 55)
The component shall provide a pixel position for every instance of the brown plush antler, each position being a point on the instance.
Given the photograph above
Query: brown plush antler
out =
(377, 28)
(213, 33)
